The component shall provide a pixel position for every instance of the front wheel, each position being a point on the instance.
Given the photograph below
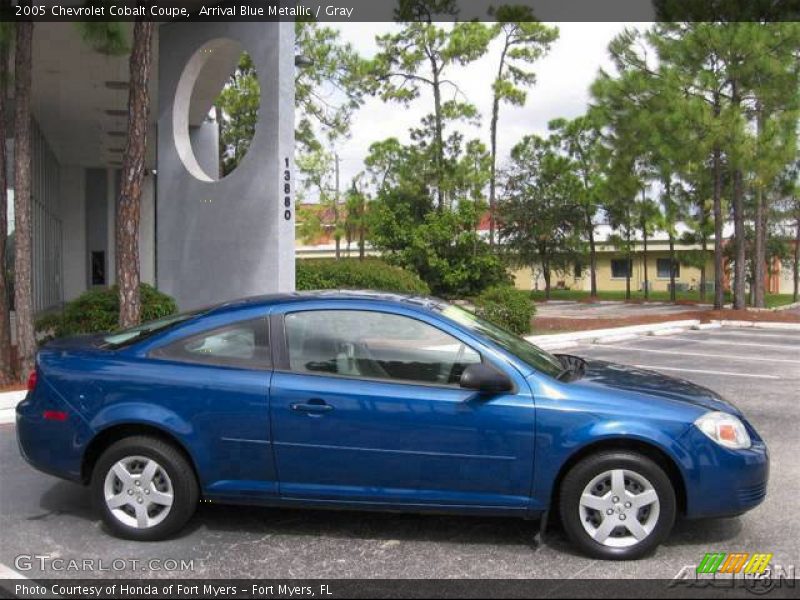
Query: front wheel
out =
(144, 488)
(617, 505)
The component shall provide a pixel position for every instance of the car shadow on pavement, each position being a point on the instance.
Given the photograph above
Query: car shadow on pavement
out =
(365, 525)
(65, 498)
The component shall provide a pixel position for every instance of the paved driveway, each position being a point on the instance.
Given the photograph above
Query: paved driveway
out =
(757, 369)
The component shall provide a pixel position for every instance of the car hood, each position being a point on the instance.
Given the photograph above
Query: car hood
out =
(651, 383)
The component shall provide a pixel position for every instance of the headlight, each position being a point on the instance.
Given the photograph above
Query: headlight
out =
(725, 429)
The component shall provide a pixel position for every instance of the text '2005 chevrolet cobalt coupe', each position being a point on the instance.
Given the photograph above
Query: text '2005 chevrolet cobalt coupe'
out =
(377, 401)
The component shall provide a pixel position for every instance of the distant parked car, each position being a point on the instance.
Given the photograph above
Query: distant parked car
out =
(375, 401)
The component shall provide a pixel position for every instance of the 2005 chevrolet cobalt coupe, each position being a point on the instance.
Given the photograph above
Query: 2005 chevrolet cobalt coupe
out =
(385, 402)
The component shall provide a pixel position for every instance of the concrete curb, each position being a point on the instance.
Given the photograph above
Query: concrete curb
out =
(557, 341)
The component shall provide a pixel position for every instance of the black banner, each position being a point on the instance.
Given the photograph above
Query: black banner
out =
(400, 10)
(411, 588)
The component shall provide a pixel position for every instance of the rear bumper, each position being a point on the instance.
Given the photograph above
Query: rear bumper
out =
(53, 447)
(722, 482)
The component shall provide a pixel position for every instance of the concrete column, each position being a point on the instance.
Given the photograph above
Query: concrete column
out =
(220, 240)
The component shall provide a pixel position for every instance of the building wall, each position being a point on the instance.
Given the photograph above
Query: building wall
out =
(689, 276)
(527, 279)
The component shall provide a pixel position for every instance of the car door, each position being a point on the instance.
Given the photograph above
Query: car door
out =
(366, 408)
(217, 379)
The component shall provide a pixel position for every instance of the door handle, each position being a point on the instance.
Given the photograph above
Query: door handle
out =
(312, 406)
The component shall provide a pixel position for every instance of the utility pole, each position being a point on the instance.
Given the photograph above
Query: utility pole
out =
(336, 209)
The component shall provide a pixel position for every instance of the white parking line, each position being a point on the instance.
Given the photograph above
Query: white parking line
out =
(736, 343)
(728, 373)
(705, 355)
(757, 333)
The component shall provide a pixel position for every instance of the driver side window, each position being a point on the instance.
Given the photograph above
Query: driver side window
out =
(375, 345)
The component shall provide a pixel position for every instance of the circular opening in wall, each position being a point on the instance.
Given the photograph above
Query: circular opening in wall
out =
(216, 109)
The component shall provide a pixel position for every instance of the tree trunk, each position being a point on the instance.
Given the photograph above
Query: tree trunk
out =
(6, 368)
(438, 141)
(704, 254)
(592, 260)
(673, 293)
(628, 267)
(361, 233)
(738, 221)
(23, 292)
(493, 136)
(546, 274)
(797, 261)
(492, 168)
(738, 231)
(644, 256)
(719, 293)
(760, 250)
(129, 205)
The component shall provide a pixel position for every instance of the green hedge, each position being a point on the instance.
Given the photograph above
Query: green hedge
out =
(98, 310)
(349, 273)
(507, 307)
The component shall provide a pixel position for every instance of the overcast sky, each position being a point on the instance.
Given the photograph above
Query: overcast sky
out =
(562, 90)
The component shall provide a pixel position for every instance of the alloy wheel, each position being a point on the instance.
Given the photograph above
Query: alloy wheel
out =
(619, 508)
(138, 492)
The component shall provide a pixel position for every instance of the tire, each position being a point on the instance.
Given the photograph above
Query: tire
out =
(144, 488)
(630, 527)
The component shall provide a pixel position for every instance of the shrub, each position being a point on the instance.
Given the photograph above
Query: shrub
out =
(507, 307)
(347, 273)
(98, 310)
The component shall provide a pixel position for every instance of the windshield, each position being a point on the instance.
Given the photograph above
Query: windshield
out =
(519, 347)
(145, 330)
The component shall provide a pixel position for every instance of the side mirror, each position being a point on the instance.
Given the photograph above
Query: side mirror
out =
(485, 379)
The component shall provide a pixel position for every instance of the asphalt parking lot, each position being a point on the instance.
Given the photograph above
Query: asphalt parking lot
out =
(757, 369)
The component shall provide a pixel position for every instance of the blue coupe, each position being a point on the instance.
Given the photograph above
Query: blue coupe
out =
(377, 401)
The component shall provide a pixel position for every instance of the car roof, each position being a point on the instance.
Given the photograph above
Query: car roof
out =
(426, 302)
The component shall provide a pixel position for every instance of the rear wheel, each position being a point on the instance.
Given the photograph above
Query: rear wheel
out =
(617, 505)
(144, 488)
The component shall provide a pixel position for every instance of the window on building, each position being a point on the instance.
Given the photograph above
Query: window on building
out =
(621, 267)
(578, 271)
(244, 345)
(662, 268)
(375, 345)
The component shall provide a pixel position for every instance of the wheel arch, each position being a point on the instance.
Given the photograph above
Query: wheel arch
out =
(650, 450)
(108, 436)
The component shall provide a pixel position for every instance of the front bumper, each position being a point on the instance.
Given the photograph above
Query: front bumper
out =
(723, 482)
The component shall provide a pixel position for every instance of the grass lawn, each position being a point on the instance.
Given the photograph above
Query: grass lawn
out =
(772, 300)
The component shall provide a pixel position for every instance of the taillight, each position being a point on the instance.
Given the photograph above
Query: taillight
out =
(32, 381)
(54, 415)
